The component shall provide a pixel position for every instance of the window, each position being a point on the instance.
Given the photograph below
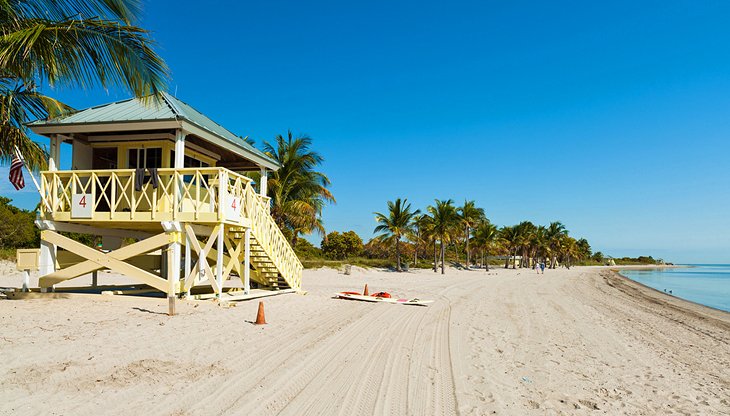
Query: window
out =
(145, 158)
(191, 162)
(188, 161)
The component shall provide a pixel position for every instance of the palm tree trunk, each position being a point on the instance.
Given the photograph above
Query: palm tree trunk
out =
(294, 238)
(467, 246)
(443, 255)
(435, 257)
(486, 262)
(397, 254)
(415, 251)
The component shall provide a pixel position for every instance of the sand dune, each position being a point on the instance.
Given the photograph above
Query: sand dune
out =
(508, 342)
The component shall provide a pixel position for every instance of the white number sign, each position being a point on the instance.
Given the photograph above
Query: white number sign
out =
(233, 208)
(81, 205)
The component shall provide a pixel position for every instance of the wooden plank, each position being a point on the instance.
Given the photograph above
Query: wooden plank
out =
(89, 266)
(108, 260)
(235, 257)
(190, 280)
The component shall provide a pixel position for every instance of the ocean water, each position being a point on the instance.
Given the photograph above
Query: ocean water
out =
(708, 284)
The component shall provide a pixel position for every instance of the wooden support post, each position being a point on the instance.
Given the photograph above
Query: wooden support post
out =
(264, 179)
(54, 156)
(94, 278)
(179, 161)
(247, 261)
(188, 260)
(47, 261)
(26, 280)
(219, 258)
(173, 274)
(174, 261)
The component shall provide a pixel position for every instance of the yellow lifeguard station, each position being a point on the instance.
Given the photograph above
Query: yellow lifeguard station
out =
(163, 174)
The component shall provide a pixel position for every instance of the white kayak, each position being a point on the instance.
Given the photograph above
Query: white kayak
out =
(414, 301)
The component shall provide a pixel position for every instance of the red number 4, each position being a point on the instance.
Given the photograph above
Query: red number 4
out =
(82, 202)
(233, 205)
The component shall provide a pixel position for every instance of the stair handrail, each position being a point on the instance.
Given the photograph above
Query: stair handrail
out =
(271, 238)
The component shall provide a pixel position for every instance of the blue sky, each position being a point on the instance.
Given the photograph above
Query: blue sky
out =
(612, 117)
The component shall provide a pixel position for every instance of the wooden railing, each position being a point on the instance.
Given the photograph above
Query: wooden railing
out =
(188, 195)
(271, 239)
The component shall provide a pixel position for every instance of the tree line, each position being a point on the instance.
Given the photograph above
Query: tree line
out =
(472, 236)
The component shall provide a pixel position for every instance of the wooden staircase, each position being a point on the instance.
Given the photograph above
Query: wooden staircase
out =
(264, 270)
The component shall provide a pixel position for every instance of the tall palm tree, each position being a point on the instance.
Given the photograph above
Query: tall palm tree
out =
(584, 249)
(470, 216)
(418, 236)
(444, 218)
(554, 234)
(525, 236)
(394, 226)
(510, 237)
(297, 190)
(485, 236)
(570, 250)
(67, 43)
(539, 244)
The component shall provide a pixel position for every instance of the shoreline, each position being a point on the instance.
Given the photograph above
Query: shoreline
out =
(668, 295)
(688, 306)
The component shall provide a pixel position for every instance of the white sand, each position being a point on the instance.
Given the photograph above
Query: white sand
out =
(509, 342)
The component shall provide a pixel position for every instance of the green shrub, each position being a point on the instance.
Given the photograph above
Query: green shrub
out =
(17, 228)
(341, 246)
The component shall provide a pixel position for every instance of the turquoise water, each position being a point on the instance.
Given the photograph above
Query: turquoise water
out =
(708, 284)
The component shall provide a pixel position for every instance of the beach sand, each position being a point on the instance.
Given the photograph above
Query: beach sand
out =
(507, 342)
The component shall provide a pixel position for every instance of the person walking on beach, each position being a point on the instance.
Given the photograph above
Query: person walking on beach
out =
(537, 267)
(542, 267)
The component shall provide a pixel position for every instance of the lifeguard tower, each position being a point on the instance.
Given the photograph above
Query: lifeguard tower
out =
(163, 185)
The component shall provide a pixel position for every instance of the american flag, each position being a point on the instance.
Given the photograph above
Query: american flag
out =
(16, 173)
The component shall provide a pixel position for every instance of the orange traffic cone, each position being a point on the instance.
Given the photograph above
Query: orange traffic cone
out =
(260, 320)
(365, 292)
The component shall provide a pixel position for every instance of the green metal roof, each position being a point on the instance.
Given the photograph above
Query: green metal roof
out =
(134, 109)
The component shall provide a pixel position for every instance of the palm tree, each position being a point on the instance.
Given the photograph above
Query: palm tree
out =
(67, 43)
(470, 216)
(485, 236)
(420, 232)
(539, 247)
(510, 236)
(398, 223)
(444, 218)
(554, 234)
(525, 236)
(584, 249)
(570, 250)
(298, 192)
